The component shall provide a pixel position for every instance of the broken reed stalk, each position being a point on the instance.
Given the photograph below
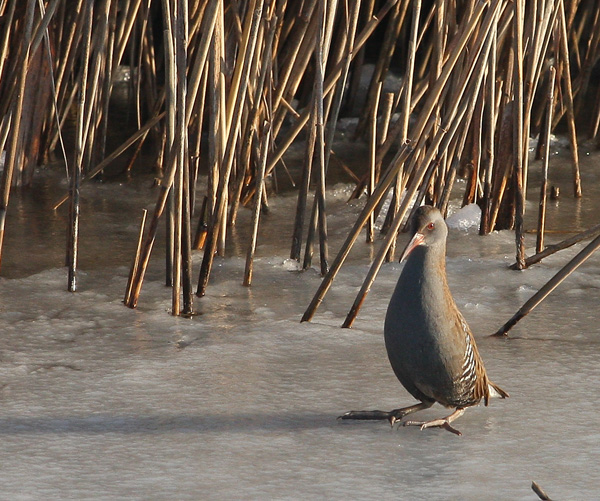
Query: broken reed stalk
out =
(540, 492)
(539, 246)
(554, 282)
(137, 136)
(136, 259)
(551, 249)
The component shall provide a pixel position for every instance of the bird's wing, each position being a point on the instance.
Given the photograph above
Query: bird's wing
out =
(473, 373)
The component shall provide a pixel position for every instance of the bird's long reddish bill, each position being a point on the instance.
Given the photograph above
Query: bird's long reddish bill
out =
(415, 241)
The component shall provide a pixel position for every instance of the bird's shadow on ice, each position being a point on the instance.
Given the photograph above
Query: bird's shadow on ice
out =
(168, 423)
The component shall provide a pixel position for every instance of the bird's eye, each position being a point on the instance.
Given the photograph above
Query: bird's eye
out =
(431, 226)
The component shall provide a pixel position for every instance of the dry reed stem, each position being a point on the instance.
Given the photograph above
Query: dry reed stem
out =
(569, 101)
(240, 74)
(258, 200)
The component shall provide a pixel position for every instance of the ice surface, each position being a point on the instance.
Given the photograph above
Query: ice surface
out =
(240, 401)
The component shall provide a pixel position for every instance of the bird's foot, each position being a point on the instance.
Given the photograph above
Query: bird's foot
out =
(439, 423)
(392, 416)
(366, 415)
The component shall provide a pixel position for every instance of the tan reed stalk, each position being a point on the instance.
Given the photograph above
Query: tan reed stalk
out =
(591, 55)
(296, 248)
(257, 109)
(107, 79)
(316, 140)
(206, 30)
(386, 52)
(9, 15)
(299, 34)
(66, 68)
(359, 58)
(407, 99)
(372, 160)
(335, 106)
(136, 260)
(322, 52)
(568, 94)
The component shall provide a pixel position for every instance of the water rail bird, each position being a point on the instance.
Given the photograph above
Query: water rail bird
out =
(429, 344)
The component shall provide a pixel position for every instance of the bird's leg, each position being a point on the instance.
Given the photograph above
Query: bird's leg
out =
(391, 416)
(442, 422)
(398, 414)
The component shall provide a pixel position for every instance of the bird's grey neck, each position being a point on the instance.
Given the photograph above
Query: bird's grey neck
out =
(426, 269)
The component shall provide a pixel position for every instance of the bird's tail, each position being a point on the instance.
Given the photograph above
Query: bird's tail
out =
(496, 391)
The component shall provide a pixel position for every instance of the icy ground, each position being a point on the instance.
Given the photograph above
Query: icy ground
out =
(240, 402)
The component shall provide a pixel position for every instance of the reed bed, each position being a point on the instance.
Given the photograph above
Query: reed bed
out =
(228, 87)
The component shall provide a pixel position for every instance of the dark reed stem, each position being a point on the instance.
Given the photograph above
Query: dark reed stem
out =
(539, 246)
(74, 209)
(518, 135)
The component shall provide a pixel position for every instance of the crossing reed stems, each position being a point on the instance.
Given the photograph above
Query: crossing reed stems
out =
(232, 66)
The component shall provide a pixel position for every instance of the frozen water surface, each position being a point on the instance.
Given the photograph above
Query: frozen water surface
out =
(240, 402)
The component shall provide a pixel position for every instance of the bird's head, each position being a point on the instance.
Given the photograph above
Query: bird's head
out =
(428, 229)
